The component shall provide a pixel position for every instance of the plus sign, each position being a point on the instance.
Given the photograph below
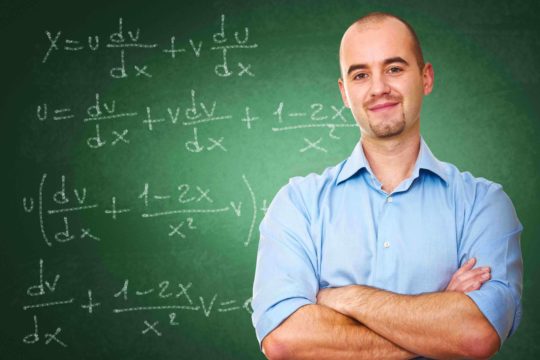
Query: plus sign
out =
(173, 50)
(248, 119)
(91, 305)
(114, 211)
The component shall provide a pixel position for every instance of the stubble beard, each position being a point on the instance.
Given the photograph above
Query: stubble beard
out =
(388, 127)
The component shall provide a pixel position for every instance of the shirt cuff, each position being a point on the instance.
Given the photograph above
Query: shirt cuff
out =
(276, 315)
(497, 304)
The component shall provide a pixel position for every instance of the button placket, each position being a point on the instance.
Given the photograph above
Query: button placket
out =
(387, 200)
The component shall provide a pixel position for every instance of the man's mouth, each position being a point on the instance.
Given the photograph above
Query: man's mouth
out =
(383, 106)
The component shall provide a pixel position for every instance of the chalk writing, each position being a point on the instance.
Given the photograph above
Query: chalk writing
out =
(165, 295)
(190, 200)
(199, 115)
(33, 337)
(125, 39)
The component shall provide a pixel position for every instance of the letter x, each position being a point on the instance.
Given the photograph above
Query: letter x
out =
(338, 113)
(244, 69)
(313, 145)
(141, 71)
(204, 194)
(51, 337)
(151, 327)
(183, 291)
(119, 137)
(217, 143)
(176, 230)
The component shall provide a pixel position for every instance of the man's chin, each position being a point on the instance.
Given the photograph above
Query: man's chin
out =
(386, 131)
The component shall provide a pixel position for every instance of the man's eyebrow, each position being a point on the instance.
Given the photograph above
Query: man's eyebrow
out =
(395, 59)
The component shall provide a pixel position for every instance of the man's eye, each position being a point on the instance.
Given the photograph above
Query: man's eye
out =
(395, 70)
(360, 76)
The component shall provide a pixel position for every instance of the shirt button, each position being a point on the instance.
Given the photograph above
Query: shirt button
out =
(386, 244)
(389, 199)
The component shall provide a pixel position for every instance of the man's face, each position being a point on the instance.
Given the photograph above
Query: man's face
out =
(381, 80)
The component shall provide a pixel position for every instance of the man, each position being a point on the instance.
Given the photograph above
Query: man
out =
(375, 257)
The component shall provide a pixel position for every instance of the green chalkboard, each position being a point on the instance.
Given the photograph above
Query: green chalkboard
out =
(143, 141)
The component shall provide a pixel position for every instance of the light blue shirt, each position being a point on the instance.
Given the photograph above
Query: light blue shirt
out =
(340, 228)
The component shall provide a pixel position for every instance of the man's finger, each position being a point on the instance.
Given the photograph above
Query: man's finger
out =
(474, 273)
(466, 279)
(467, 266)
(472, 287)
(471, 284)
(474, 283)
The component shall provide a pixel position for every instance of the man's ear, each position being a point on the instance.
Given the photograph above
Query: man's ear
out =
(343, 93)
(428, 78)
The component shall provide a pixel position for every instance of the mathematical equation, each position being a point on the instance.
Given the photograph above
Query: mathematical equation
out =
(165, 296)
(195, 115)
(66, 202)
(223, 42)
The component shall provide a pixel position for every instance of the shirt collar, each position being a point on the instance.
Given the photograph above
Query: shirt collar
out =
(426, 160)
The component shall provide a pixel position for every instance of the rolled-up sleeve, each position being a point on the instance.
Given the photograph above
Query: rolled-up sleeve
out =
(492, 236)
(285, 275)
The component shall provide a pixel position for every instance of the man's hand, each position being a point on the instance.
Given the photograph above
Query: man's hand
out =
(468, 279)
(424, 324)
(336, 298)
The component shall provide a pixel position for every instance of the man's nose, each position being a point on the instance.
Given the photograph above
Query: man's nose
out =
(379, 86)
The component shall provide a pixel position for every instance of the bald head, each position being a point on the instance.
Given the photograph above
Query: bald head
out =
(377, 19)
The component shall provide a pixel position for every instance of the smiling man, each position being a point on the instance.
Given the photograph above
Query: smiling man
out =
(376, 257)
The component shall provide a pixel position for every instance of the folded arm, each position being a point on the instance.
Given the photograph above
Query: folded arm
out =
(318, 332)
(439, 325)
